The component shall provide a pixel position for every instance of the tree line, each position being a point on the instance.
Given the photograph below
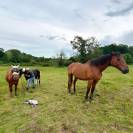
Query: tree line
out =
(84, 49)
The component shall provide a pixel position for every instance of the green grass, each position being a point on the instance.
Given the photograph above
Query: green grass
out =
(58, 112)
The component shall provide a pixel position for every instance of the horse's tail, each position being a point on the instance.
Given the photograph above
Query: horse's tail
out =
(70, 76)
(70, 72)
(70, 67)
(39, 75)
(70, 81)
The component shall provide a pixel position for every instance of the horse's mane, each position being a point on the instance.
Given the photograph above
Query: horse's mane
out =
(103, 59)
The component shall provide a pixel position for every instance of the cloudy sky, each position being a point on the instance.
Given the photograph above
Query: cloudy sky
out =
(44, 27)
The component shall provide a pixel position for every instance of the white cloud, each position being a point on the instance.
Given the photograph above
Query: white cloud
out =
(42, 28)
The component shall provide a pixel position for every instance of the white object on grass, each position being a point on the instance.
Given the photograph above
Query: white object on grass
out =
(33, 103)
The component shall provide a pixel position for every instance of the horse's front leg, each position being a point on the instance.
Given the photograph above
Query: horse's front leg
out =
(89, 85)
(39, 81)
(93, 88)
(10, 89)
(16, 89)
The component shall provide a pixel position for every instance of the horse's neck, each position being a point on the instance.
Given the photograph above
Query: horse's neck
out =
(104, 66)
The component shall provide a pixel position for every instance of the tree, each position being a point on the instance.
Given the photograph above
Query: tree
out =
(122, 48)
(128, 57)
(84, 47)
(3, 56)
(115, 48)
(14, 55)
(130, 50)
(1, 53)
(61, 57)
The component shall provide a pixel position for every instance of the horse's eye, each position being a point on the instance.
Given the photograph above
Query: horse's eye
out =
(118, 59)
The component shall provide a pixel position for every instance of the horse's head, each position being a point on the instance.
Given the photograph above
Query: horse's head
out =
(15, 68)
(119, 62)
(15, 76)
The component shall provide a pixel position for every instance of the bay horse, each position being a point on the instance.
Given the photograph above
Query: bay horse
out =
(91, 71)
(12, 77)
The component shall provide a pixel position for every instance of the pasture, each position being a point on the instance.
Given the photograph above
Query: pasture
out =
(59, 112)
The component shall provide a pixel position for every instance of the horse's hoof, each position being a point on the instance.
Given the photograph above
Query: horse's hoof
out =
(91, 99)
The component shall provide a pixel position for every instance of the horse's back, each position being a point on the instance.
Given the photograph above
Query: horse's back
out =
(79, 70)
(36, 73)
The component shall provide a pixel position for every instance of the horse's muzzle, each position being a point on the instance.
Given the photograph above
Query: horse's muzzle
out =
(125, 70)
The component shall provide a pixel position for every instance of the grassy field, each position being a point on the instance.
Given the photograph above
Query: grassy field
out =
(58, 112)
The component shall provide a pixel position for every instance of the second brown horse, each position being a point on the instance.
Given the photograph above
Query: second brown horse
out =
(91, 71)
(12, 77)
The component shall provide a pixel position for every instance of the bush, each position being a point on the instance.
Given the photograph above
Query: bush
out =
(128, 57)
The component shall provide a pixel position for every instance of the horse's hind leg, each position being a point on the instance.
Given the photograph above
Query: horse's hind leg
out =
(70, 80)
(74, 84)
(38, 80)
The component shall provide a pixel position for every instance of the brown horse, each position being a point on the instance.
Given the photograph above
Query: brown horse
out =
(91, 71)
(12, 77)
